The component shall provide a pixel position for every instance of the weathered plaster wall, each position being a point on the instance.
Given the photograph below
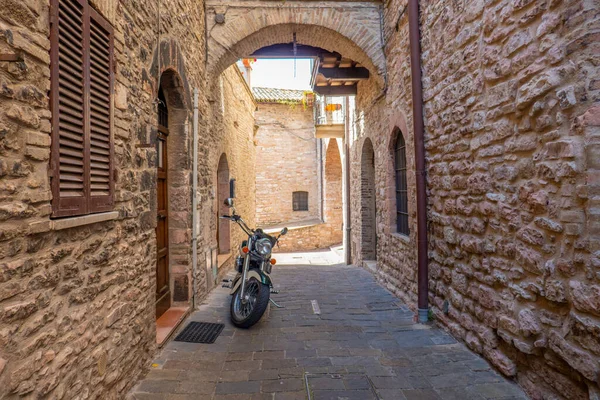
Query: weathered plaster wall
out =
(511, 132)
(77, 305)
(286, 157)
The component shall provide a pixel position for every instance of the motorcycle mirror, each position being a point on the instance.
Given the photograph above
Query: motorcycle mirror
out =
(228, 202)
(232, 188)
(284, 231)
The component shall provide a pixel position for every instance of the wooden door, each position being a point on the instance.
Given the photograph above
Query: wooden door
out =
(163, 292)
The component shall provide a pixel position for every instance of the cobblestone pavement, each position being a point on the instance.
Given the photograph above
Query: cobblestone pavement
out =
(362, 346)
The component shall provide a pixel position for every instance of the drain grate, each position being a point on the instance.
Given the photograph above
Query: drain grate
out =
(383, 306)
(200, 332)
(339, 386)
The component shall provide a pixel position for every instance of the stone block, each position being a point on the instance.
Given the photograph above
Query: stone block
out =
(576, 358)
(585, 297)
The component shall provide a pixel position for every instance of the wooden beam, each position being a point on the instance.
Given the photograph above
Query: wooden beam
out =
(11, 57)
(343, 74)
(335, 90)
(286, 50)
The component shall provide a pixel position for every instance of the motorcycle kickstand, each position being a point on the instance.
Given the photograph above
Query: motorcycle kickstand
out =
(275, 304)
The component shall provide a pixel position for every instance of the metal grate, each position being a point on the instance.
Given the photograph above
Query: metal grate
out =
(339, 386)
(300, 201)
(200, 332)
(401, 186)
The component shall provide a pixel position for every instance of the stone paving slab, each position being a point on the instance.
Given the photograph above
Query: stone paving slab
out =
(364, 345)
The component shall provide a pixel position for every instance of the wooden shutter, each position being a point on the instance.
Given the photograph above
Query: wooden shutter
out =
(68, 108)
(81, 89)
(101, 87)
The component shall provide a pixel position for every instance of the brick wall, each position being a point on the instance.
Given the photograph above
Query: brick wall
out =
(286, 156)
(231, 119)
(287, 160)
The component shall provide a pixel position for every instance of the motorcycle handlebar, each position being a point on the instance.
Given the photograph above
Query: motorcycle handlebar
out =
(240, 222)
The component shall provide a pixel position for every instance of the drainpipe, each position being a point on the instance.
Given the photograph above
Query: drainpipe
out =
(195, 201)
(417, 100)
(347, 248)
(319, 150)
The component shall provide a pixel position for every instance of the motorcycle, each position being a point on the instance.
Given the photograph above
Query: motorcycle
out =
(252, 286)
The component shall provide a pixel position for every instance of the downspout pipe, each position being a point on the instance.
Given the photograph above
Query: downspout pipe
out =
(347, 247)
(418, 129)
(195, 201)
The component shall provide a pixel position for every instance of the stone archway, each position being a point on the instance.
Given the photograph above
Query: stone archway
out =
(223, 225)
(333, 208)
(368, 226)
(236, 30)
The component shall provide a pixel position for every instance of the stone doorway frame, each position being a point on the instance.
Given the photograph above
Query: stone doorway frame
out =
(179, 171)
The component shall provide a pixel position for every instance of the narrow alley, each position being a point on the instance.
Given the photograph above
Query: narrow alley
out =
(363, 345)
(445, 153)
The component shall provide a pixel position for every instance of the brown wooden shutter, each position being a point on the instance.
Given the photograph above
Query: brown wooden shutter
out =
(101, 88)
(81, 89)
(67, 103)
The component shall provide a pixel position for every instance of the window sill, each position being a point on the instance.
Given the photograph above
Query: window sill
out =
(404, 238)
(71, 222)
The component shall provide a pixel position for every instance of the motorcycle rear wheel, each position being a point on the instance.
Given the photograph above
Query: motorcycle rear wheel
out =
(244, 315)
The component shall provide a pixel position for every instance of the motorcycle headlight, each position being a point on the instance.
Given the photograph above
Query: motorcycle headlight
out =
(263, 247)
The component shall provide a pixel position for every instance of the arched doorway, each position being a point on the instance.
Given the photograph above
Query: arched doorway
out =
(173, 197)
(367, 203)
(223, 225)
(333, 210)
(163, 287)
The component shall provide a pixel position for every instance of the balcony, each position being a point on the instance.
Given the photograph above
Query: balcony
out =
(330, 117)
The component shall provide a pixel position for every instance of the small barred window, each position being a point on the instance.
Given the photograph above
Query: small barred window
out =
(300, 201)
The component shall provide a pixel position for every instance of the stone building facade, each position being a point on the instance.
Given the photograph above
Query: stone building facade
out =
(77, 295)
(289, 160)
(512, 120)
(511, 124)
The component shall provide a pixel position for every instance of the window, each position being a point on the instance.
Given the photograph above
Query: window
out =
(81, 96)
(401, 191)
(300, 201)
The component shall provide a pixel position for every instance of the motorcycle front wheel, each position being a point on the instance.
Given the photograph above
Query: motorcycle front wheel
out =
(244, 315)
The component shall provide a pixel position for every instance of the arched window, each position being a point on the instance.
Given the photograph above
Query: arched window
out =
(401, 190)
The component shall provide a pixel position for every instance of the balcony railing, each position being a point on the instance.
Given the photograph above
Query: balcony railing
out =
(330, 116)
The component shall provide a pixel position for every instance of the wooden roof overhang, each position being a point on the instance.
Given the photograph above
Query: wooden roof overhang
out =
(332, 75)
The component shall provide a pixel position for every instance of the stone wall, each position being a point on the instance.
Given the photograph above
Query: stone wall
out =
(378, 113)
(231, 130)
(511, 141)
(247, 26)
(287, 161)
(77, 303)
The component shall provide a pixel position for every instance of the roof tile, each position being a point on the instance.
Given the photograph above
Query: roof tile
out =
(271, 95)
